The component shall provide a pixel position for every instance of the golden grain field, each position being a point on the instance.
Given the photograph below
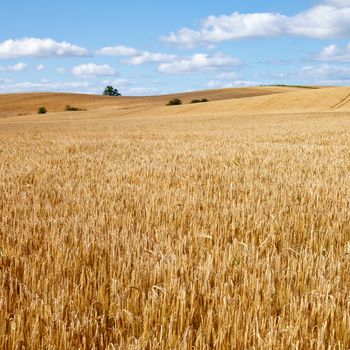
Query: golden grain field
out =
(175, 232)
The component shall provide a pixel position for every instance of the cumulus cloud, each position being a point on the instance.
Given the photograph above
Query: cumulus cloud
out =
(40, 67)
(61, 70)
(334, 53)
(228, 76)
(119, 50)
(137, 57)
(18, 67)
(319, 74)
(149, 57)
(324, 73)
(142, 91)
(328, 20)
(222, 28)
(129, 87)
(119, 83)
(34, 47)
(198, 63)
(321, 22)
(220, 84)
(7, 81)
(92, 70)
(230, 80)
(11, 87)
(339, 3)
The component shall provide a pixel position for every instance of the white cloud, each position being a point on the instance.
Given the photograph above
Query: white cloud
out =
(230, 80)
(149, 57)
(137, 57)
(119, 83)
(321, 22)
(119, 50)
(125, 86)
(45, 86)
(339, 3)
(40, 67)
(220, 84)
(18, 67)
(34, 47)
(92, 70)
(61, 70)
(129, 87)
(5, 81)
(333, 53)
(324, 72)
(199, 63)
(228, 76)
(141, 91)
(330, 20)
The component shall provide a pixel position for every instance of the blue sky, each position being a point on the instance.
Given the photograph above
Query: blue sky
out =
(159, 47)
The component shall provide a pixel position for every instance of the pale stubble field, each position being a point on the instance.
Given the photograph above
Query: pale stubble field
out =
(177, 232)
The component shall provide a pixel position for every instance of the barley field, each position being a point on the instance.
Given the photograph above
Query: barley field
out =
(175, 232)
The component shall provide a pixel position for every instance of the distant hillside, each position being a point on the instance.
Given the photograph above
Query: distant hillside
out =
(28, 103)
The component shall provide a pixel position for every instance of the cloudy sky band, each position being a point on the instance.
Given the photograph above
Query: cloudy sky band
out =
(213, 52)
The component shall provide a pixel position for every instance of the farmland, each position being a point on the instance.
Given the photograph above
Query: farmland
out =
(133, 225)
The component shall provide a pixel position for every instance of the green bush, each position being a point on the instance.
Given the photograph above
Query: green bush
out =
(174, 102)
(199, 101)
(42, 110)
(73, 109)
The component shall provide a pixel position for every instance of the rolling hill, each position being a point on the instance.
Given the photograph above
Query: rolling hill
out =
(240, 101)
(28, 103)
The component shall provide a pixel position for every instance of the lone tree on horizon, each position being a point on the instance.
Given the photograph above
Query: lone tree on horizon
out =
(111, 91)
